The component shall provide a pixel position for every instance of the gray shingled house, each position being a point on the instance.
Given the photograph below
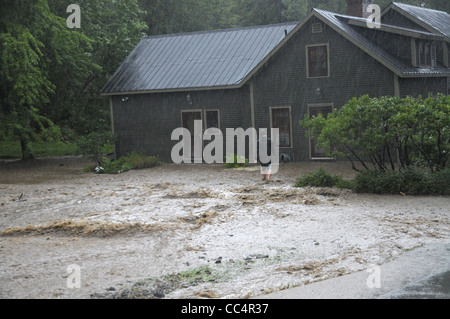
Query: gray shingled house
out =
(273, 76)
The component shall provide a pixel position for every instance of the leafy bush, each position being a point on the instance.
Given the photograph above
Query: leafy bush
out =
(95, 145)
(321, 178)
(410, 181)
(388, 132)
(234, 161)
(130, 162)
(375, 181)
(440, 182)
(141, 161)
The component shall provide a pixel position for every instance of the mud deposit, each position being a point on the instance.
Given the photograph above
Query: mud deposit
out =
(194, 231)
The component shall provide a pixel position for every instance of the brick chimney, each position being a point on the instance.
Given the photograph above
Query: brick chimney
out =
(358, 8)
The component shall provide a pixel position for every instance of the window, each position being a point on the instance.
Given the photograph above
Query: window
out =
(426, 55)
(281, 119)
(212, 119)
(317, 61)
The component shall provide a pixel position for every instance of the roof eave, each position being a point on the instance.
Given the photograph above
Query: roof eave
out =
(424, 75)
(178, 90)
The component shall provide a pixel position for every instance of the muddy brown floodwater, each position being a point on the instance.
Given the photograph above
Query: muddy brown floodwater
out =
(255, 237)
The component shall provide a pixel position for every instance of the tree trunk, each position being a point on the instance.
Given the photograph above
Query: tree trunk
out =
(26, 151)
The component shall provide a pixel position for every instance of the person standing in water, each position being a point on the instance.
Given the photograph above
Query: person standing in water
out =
(265, 145)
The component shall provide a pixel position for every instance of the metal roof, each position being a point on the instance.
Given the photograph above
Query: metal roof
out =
(208, 59)
(341, 24)
(436, 20)
(228, 58)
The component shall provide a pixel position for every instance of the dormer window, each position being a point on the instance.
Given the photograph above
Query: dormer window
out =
(426, 54)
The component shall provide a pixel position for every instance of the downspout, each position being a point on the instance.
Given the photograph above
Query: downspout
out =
(252, 104)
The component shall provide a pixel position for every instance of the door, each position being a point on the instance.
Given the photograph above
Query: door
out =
(188, 119)
(324, 110)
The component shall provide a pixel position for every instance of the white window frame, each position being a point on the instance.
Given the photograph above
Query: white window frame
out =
(328, 60)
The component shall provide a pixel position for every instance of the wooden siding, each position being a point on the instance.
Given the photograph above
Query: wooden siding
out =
(392, 17)
(145, 122)
(422, 86)
(283, 81)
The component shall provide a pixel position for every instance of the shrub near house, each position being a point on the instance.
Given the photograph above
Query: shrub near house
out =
(402, 145)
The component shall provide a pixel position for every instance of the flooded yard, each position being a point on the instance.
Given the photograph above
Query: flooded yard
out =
(221, 233)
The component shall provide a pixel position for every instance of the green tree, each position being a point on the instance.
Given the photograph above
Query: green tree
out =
(260, 12)
(175, 16)
(113, 28)
(32, 40)
(295, 10)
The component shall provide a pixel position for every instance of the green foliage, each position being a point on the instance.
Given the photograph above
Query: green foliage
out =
(52, 75)
(95, 145)
(112, 30)
(113, 167)
(130, 162)
(381, 130)
(321, 178)
(175, 16)
(140, 161)
(440, 182)
(25, 85)
(411, 181)
(234, 161)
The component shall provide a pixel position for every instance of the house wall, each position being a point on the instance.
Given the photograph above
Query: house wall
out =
(421, 86)
(397, 45)
(392, 17)
(145, 122)
(283, 82)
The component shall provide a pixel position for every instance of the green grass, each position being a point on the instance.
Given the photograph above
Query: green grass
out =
(11, 149)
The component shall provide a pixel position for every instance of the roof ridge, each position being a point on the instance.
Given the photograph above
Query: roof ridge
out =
(393, 26)
(169, 35)
(399, 4)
